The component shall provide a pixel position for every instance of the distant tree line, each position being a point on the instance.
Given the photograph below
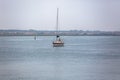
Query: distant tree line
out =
(53, 33)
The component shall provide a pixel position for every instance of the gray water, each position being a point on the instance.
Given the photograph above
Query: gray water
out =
(82, 58)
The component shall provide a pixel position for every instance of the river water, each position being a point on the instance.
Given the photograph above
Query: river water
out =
(82, 58)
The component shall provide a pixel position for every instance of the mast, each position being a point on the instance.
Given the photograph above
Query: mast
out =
(57, 22)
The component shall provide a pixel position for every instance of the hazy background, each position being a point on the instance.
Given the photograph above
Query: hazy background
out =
(74, 14)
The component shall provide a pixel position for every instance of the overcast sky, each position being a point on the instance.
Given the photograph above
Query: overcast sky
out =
(73, 14)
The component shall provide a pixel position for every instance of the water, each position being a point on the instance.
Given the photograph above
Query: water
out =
(82, 58)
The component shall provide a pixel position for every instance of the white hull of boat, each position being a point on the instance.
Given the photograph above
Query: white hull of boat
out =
(58, 44)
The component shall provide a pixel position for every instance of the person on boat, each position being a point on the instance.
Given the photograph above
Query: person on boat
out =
(59, 39)
(57, 36)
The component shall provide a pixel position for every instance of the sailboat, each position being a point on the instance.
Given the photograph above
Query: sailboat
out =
(58, 42)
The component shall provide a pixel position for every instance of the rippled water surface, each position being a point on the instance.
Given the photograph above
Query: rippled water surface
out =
(82, 58)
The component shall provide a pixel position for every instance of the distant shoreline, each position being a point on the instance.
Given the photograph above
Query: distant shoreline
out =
(53, 33)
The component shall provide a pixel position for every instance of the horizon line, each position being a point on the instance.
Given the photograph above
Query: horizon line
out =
(64, 30)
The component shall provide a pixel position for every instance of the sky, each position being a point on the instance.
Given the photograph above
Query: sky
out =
(73, 14)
